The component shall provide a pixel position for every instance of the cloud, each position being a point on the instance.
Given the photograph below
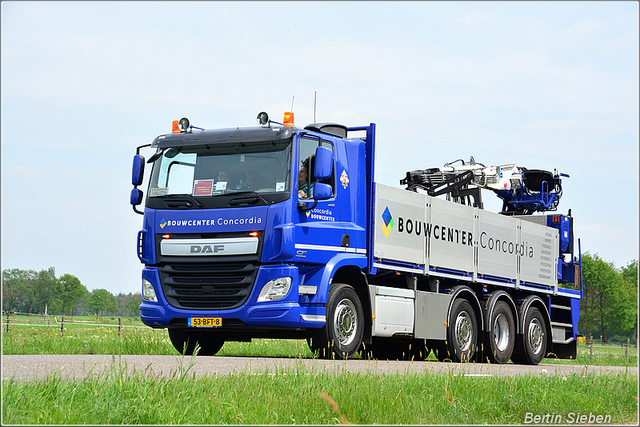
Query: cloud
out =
(24, 172)
(475, 18)
(584, 28)
(579, 124)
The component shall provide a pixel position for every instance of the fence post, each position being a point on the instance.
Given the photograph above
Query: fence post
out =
(62, 326)
(591, 353)
(626, 352)
(119, 325)
(8, 315)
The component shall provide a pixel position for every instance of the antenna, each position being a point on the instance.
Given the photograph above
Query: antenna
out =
(294, 98)
(315, 95)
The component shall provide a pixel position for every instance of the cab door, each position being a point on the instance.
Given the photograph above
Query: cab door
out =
(319, 233)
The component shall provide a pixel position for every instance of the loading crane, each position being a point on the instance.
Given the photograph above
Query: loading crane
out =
(523, 191)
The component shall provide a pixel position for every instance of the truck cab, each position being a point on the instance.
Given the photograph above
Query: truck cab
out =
(237, 224)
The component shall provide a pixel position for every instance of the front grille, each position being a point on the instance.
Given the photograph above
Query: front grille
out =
(207, 285)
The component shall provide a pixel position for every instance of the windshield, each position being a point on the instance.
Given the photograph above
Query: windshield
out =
(223, 169)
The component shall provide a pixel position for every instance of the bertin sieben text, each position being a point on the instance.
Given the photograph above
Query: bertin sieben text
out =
(570, 418)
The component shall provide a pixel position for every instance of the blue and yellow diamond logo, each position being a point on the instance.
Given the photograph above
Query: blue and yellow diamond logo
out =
(388, 222)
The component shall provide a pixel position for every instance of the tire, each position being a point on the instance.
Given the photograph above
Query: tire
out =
(501, 337)
(185, 341)
(462, 333)
(398, 349)
(533, 345)
(342, 333)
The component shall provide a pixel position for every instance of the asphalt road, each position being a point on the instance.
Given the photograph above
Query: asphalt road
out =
(33, 367)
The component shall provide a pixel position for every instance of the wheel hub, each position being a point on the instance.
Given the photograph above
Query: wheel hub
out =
(501, 332)
(463, 331)
(535, 336)
(345, 322)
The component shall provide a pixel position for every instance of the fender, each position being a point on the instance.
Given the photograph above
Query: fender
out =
(490, 303)
(329, 270)
(463, 289)
(527, 303)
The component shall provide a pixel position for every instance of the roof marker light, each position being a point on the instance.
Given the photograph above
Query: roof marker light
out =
(288, 119)
(176, 127)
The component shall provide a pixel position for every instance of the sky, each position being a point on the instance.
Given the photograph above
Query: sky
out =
(544, 85)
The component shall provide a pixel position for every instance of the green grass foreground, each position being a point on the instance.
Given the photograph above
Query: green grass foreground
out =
(295, 397)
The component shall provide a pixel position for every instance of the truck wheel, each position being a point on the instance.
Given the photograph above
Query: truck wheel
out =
(342, 333)
(185, 342)
(533, 347)
(462, 333)
(502, 334)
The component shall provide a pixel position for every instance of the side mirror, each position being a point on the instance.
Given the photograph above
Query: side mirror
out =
(136, 197)
(323, 164)
(137, 171)
(322, 191)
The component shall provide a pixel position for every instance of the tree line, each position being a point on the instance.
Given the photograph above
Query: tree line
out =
(40, 292)
(609, 307)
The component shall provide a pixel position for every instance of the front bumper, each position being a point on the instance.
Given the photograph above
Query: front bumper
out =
(291, 312)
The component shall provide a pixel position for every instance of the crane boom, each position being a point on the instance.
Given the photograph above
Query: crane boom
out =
(523, 191)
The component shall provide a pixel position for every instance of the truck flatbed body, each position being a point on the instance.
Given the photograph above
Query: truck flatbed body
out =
(420, 234)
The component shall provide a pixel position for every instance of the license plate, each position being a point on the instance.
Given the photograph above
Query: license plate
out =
(205, 322)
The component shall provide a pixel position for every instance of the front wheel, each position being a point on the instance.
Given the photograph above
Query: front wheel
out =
(342, 333)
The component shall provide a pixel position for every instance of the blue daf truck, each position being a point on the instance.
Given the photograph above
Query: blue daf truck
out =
(277, 231)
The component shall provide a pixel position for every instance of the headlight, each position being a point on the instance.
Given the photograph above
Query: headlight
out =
(275, 289)
(148, 292)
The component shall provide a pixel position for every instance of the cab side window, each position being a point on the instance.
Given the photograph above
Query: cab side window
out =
(305, 166)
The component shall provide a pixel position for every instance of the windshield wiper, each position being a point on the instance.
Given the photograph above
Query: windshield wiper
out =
(246, 200)
(176, 199)
(156, 155)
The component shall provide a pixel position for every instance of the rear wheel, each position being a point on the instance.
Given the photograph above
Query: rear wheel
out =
(533, 347)
(502, 334)
(462, 333)
(185, 341)
(342, 333)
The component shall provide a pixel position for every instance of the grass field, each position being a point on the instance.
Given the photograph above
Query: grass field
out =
(81, 336)
(293, 396)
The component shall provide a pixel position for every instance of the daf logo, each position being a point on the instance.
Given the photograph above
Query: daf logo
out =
(206, 249)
